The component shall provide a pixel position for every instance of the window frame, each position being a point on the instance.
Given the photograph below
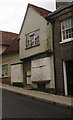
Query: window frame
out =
(66, 29)
(32, 43)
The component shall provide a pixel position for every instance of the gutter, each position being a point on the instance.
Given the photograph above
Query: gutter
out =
(58, 10)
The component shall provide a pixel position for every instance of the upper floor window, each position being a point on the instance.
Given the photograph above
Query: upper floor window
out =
(32, 39)
(67, 30)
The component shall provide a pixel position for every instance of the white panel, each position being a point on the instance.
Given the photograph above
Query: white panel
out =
(35, 63)
(40, 62)
(16, 73)
(41, 70)
(44, 61)
(45, 73)
(35, 74)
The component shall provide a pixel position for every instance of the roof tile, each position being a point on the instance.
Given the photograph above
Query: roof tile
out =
(7, 37)
(42, 11)
(10, 40)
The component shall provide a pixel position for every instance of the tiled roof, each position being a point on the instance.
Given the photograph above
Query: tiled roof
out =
(14, 46)
(43, 12)
(61, 8)
(9, 39)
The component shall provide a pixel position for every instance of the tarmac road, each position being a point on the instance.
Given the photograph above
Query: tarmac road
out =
(18, 106)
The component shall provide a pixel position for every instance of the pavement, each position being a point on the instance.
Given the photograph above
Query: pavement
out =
(42, 96)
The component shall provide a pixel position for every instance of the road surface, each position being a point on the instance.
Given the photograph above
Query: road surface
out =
(18, 106)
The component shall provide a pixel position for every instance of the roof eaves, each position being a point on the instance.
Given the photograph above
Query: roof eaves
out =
(60, 9)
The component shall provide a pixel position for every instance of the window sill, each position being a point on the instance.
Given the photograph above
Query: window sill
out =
(66, 41)
(32, 46)
(3, 77)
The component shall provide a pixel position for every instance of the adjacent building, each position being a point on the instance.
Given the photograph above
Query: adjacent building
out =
(62, 27)
(36, 49)
(42, 56)
(9, 55)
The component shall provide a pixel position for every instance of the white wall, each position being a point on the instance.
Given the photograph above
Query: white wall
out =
(34, 21)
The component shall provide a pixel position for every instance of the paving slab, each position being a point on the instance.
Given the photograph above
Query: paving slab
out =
(46, 97)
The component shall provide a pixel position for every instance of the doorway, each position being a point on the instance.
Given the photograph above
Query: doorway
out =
(69, 70)
(68, 77)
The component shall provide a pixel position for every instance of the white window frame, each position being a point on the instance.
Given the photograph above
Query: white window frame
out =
(34, 40)
(69, 39)
(65, 78)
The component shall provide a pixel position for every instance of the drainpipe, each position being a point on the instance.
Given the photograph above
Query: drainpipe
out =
(52, 22)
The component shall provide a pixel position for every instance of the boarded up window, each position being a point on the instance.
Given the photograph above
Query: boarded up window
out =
(41, 69)
(17, 73)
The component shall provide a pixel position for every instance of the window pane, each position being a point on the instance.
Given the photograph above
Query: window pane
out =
(37, 37)
(72, 29)
(67, 32)
(63, 25)
(32, 40)
(69, 35)
(36, 34)
(63, 36)
(37, 40)
(71, 22)
(63, 32)
(27, 40)
(72, 34)
(32, 37)
(66, 36)
(67, 28)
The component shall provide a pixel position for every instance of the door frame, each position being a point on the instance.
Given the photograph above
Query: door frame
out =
(65, 78)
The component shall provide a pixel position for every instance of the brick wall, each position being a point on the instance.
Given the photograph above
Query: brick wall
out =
(61, 2)
(58, 61)
(58, 4)
(62, 51)
(5, 80)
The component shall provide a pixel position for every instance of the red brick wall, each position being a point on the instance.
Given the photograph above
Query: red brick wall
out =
(5, 80)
